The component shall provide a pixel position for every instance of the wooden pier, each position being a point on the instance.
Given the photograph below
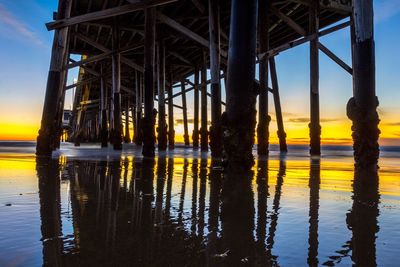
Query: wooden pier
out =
(138, 52)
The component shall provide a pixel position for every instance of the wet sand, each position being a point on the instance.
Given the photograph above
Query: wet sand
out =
(97, 207)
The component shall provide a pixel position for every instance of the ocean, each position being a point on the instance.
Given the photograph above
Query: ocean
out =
(98, 207)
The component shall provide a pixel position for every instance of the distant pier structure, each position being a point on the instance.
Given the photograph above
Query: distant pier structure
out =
(135, 53)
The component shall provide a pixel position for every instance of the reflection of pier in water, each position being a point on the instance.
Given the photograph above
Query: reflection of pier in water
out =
(174, 211)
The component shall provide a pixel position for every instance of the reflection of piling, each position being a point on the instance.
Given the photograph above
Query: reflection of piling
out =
(276, 207)
(161, 177)
(194, 195)
(237, 219)
(262, 196)
(168, 193)
(213, 211)
(50, 210)
(363, 217)
(202, 194)
(183, 191)
(314, 182)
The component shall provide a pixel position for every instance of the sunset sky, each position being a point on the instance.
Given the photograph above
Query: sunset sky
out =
(25, 47)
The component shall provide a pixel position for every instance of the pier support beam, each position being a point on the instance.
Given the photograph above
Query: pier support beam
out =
(116, 82)
(277, 103)
(149, 51)
(133, 112)
(162, 124)
(195, 136)
(214, 30)
(263, 117)
(361, 108)
(103, 106)
(315, 127)
(46, 137)
(184, 111)
(203, 126)
(138, 100)
(127, 137)
(240, 118)
(171, 131)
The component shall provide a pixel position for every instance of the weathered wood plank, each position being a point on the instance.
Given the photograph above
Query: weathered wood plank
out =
(107, 13)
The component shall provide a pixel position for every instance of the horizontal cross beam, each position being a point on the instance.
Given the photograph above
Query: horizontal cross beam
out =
(286, 46)
(107, 13)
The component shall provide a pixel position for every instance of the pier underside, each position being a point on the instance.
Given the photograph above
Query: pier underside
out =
(134, 54)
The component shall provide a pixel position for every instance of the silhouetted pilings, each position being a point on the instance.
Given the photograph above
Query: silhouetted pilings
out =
(263, 117)
(277, 103)
(171, 122)
(116, 89)
(47, 132)
(204, 118)
(240, 117)
(195, 135)
(134, 88)
(149, 55)
(215, 68)
(315, 127)
(184, 112)
(162, 123)
(362, 107)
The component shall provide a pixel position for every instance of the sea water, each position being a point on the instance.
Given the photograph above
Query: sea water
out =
(99, 207)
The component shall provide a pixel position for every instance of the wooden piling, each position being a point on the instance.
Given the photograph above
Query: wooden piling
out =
(240, 118)
(171, 131)
(277, 103)
(116, 82)
(162, 124)
(127, 137)
(45, 139)
(138, 98)
(203, 126)
(103, 106)
(214, 33)
(184, 111)
(149, 53)
(263, 117)
(315, 127)
(134, 126)
(195, 136)
(361, 108)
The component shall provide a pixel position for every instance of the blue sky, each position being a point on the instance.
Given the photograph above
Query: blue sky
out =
(25, 47)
